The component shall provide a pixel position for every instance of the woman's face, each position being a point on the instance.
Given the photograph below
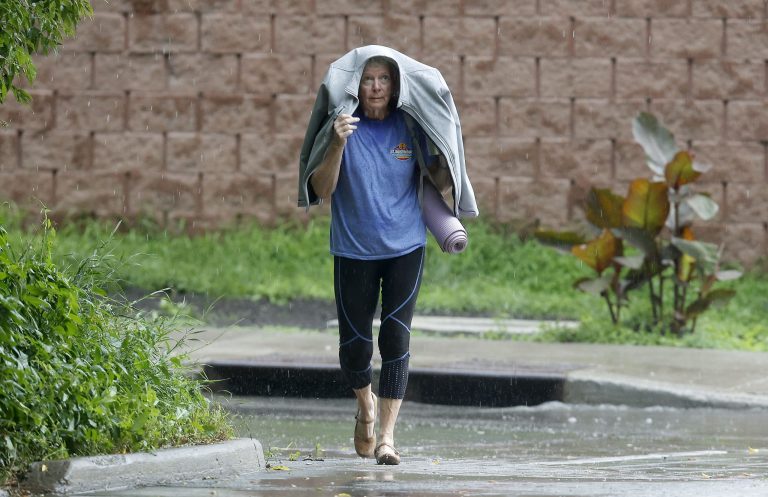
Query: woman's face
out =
(375, 92)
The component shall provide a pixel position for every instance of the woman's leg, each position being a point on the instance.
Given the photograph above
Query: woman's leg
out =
(356, 286)
(401, 280)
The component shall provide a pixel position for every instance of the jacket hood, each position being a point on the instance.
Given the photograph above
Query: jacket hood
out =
(351, 65)
(423, 94)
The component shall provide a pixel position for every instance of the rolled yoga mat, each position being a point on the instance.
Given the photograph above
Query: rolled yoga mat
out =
(440, 221)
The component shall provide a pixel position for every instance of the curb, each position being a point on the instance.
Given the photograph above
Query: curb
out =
(164, 467)
(583, 388)
(474, 388)
(427, 385)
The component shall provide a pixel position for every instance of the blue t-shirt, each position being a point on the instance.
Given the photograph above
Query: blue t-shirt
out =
(375, 212)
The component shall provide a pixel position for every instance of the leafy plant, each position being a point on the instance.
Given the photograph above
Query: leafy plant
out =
(646, 238)
(31, 27)
(81, 374)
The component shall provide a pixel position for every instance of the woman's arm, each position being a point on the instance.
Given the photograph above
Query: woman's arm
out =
(326, 176)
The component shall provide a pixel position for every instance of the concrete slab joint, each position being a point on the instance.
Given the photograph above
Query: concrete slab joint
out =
(163, 467)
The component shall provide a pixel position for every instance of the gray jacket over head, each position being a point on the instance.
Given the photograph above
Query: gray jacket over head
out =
(424, 95)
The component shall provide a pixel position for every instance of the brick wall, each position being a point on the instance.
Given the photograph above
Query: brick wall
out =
(195, 110)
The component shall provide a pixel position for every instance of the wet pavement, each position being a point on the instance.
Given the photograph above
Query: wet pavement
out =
(493, 418)
(553, 449)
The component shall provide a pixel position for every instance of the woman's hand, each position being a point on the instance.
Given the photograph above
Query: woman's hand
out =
(326, 175)
(343, 127)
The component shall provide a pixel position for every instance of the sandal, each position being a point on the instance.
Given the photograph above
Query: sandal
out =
(386, 454)
(364, 445)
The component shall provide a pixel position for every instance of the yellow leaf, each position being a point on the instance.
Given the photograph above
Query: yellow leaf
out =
(43, 468)
(343, 494)
(646, 206)
(599, 253)
(280, 468)
(752, 451)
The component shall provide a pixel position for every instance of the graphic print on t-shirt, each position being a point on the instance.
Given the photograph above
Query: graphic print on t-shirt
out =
(402, 152)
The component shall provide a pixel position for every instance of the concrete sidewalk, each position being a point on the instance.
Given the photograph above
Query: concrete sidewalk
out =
(473, 371)
(458, 325)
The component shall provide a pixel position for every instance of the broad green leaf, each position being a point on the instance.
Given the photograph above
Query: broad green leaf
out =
(721, 296)
(696, 308)
(703, 206)
(599, 253)
(705, 254)
(595, 286)
(715, 298)
(657, 142)
(728, 275)
(679, 171)
(639, 239)
(604, 208)
(646, 206)
(563, 240)
(700, 167)
(680, 216)
(632, 262)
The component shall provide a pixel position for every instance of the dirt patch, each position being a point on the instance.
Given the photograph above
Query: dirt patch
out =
(228, 311)
(301, 313)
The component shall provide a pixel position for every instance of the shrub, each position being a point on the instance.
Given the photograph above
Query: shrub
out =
(81, 374)
(653, 223)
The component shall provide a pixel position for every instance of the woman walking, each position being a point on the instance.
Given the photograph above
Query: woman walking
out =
(369, 169)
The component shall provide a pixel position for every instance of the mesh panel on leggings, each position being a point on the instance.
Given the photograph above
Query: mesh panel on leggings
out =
(394, 378)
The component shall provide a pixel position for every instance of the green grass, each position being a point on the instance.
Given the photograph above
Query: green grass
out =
(277, 264)
(498, 275)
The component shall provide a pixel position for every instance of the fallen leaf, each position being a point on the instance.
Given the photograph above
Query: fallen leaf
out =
(752, 451)
(280, 467)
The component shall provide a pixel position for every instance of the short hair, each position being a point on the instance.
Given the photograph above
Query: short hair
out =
(393, 72)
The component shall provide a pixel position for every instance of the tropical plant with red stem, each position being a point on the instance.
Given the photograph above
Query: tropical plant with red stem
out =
(646, 238)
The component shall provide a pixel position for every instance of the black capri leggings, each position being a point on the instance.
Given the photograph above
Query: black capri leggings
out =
(356, 285)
